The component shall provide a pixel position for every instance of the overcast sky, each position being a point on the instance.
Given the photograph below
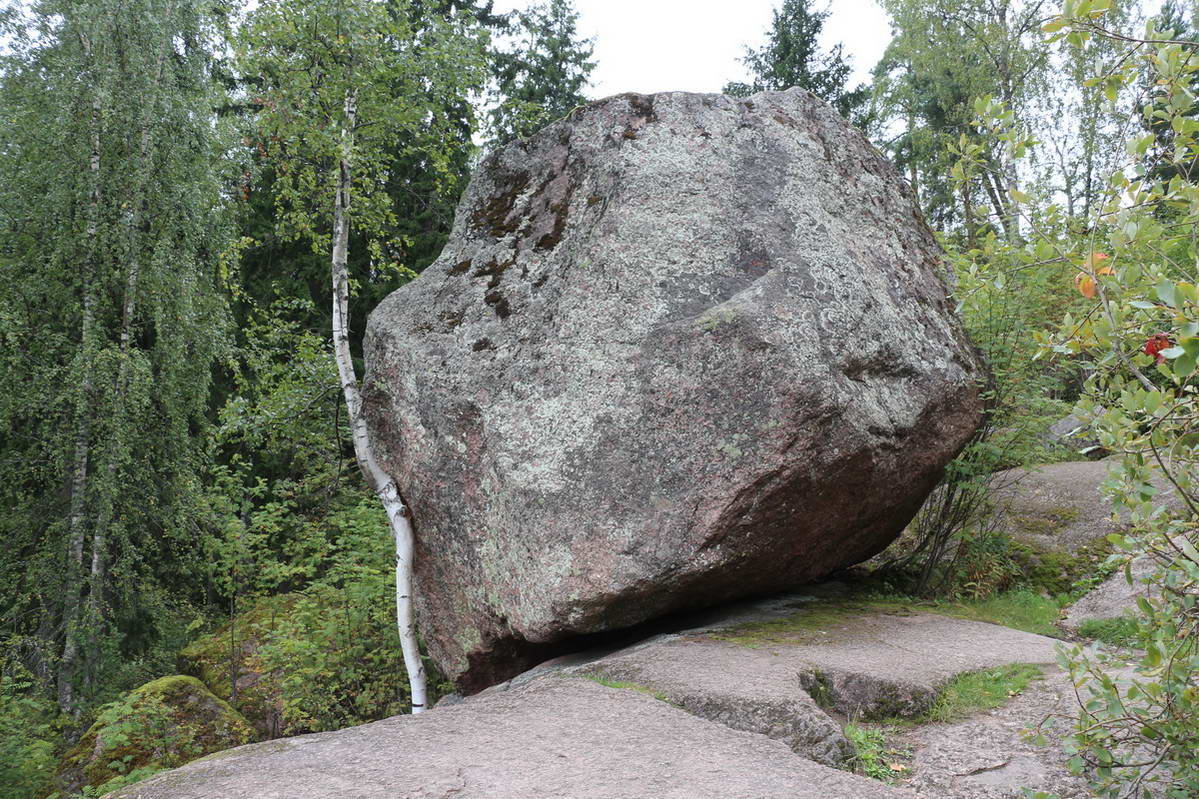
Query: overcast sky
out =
(694, 45)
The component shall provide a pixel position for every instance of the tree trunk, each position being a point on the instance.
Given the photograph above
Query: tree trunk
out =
(77, 532)
(379, 480)
(968, 215)
(115, 445)
(997, 203)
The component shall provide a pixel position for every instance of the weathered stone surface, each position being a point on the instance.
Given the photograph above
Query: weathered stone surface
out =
(865, 663)
(989, 756)
(555, 738)
(746, 689)
(1059, 507)
(1115, 596)
(680, 348)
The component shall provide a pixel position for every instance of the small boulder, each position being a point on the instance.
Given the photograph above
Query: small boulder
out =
(161, 725)
(679, 349)
(231, 653)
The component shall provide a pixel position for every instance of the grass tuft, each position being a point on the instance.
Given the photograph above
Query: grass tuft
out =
(873, 756)
(1020, 610)
(981, 690)
(1114, 632)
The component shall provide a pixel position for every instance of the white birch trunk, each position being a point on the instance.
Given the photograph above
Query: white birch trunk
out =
(128, 309)
(83, 432)
(379, 480)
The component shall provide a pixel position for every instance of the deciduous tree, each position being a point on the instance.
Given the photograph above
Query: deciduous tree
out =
(113, 225)
(344, 87)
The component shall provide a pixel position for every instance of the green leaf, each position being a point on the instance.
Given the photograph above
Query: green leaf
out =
(1165, 292)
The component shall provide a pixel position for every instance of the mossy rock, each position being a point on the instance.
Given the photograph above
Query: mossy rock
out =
(1056, 572)
(160, 725)
(259, 696)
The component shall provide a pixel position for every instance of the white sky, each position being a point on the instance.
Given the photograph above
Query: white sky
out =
(693, 45)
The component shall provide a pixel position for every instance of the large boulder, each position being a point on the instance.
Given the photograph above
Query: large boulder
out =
(679, 348)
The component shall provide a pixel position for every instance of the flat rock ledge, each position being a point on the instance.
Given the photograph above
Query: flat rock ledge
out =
(720, 709)
(555, 737)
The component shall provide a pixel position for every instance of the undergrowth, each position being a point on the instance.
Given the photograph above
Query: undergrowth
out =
(1120, 632)
(874, 757)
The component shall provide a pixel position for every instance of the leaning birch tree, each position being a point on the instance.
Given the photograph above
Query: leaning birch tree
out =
(343, 89)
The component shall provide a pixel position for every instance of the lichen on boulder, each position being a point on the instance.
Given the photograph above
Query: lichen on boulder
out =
(679, 349)
(160, 725)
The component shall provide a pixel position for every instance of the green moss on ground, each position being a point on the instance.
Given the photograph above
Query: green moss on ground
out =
(625, 685)
(1046, 521)
(1062, 573)
(162, 724)
(829, 620)
(820, 622)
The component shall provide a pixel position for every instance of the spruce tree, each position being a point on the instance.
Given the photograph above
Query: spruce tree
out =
(542, 75)
(792, 57)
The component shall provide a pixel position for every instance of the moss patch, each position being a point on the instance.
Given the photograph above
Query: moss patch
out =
(624, 685)
(831, 620)
(1046, 521)
(212, 657)
(162, 724)
(820, 622)
(1060, 573)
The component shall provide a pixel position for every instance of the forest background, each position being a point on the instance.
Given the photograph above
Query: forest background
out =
(179, 480)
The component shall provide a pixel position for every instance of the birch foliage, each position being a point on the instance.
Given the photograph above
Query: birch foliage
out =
(344, 90)
(112, 322)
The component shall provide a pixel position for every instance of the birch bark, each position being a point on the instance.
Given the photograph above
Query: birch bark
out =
(77, 520)
(397, 512)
